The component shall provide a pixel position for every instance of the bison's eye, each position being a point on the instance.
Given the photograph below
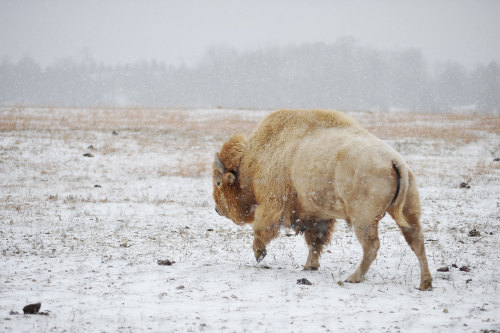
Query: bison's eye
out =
(218, 183)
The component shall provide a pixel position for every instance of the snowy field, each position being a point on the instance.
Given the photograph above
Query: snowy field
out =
(84, 235)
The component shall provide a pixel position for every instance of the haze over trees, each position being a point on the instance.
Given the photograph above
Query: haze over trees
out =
(343, 75)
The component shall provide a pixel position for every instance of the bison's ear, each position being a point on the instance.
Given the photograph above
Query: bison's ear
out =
(229, 178)
(232, 152)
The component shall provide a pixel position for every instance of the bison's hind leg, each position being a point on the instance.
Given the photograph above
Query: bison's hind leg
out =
(414, 236)
(367, 235)
(415, 239)
(317, 235)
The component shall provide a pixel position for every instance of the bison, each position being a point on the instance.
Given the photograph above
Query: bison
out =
(303, 170)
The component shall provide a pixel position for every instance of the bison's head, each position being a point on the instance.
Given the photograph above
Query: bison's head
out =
(232, 190)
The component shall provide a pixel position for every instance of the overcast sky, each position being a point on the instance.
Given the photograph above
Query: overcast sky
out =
(178, 32)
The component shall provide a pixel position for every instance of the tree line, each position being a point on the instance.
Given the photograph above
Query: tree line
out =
(343, 75)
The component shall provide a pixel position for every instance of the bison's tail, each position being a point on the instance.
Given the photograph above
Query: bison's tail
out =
(401, 190)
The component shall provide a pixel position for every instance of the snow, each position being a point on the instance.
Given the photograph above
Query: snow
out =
(89, 254)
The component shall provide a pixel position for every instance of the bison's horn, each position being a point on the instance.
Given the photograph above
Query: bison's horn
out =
(218, 164)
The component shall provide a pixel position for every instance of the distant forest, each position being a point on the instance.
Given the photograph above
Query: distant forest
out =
(343, 75)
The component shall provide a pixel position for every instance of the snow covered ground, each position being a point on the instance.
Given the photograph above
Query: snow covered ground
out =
(83, 234)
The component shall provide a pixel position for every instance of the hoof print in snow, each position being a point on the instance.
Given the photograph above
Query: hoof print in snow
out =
(465, 269)
(444, 269)
(474, 233)
(88, 155)
(32, 308)
(165, 262)
(304, 281)
(114, 133)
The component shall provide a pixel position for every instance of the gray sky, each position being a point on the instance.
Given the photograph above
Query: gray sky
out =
(181, 31)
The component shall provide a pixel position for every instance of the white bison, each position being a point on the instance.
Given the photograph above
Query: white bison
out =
(304, 169)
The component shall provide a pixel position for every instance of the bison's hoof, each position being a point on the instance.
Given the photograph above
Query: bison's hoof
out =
(311, 268)
(354, 278)
(426, 285)
(260, 254)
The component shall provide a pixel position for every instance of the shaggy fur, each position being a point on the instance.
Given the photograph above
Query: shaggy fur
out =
(303, 170)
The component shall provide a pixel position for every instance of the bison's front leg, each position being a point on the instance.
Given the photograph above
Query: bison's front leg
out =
(317, 235)
(262, 237)
(265, 228)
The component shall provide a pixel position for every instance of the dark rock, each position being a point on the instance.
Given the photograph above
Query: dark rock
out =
(90, 147)
(465, 269)
(32, 308)
(88, 155)
(454, 266)
(444, 269)
(304, 281)
(474, 233)
(114, 133)
(96, 185)
(165, 262)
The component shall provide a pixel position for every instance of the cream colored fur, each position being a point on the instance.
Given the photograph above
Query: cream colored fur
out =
(303, 169)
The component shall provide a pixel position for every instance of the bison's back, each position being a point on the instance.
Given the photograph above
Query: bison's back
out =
(272, 146)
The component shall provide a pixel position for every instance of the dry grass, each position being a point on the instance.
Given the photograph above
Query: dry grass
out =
(452, 128)
(188, 131)
(117, 119)
(196, 167)
(483, 167)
